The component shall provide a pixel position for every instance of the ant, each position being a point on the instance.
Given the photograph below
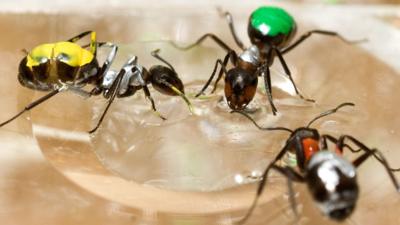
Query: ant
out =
(133, 77)
(270, 30)
(65, 65)
(330, 178)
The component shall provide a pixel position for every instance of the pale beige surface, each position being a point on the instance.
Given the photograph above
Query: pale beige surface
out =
(34, 192)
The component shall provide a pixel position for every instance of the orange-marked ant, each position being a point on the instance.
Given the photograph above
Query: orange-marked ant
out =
(330, 178)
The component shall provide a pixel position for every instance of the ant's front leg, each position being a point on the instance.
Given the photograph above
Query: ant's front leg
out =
(265, 73)
(321, 32)
(222, 70)
(288, 73)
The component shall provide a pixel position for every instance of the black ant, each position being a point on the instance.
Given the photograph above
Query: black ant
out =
(270, 30)
(133, 77)
(330, 178)
(65, 65)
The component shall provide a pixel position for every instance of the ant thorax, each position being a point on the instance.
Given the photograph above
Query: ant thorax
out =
(251, 55)
(133, 76)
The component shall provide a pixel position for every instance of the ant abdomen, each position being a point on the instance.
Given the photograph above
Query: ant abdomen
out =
(333, 185)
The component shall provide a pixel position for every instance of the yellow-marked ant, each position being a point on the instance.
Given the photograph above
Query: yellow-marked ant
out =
(65, 65)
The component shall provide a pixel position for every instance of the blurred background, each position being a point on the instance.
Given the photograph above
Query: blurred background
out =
(43, 183)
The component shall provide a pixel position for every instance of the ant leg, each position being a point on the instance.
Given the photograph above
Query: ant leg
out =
(222, 70)
(32, 105)
(268, 88)
(80, 36)
(153, 105)
(177, 91)
(201, 39)
(344, 145)
(93, 45)
(155, 54)
(287, 72)
(378, 156)
(114, 90)
(368, 152)
(322, 32)
(291, 176)
(263, 182)
(231, 55)
(334, 140)
(229, 18)
(109, 60)
(211, 78)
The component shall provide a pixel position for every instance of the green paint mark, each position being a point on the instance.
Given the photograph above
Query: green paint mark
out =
(272, 21)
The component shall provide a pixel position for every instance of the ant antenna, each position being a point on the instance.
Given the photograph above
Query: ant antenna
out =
(258, 126)
(25, 51)
(326, 113)
(177, 91)
(157, 56)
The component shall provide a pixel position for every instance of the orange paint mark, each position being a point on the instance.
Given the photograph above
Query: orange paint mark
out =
(310, 147)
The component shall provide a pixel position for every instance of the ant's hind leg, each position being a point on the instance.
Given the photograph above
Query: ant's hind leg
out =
(229, 18)
(372, 152)
(31, 106)
(201, 39)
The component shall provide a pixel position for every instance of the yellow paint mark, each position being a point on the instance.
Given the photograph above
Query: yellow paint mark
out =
(67, 52)
(93, 42)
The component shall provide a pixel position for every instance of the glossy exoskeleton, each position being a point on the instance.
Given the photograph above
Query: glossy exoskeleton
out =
(62, 66)
(330, 178)
(133, 77)
(65, 65)
(271, 30)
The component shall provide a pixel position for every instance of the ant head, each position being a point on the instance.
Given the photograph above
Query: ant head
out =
(240, 88)
(332, 183)
(163, 78)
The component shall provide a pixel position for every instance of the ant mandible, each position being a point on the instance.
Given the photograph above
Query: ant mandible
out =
(330, 178)
(270, 30)
(133, 77)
